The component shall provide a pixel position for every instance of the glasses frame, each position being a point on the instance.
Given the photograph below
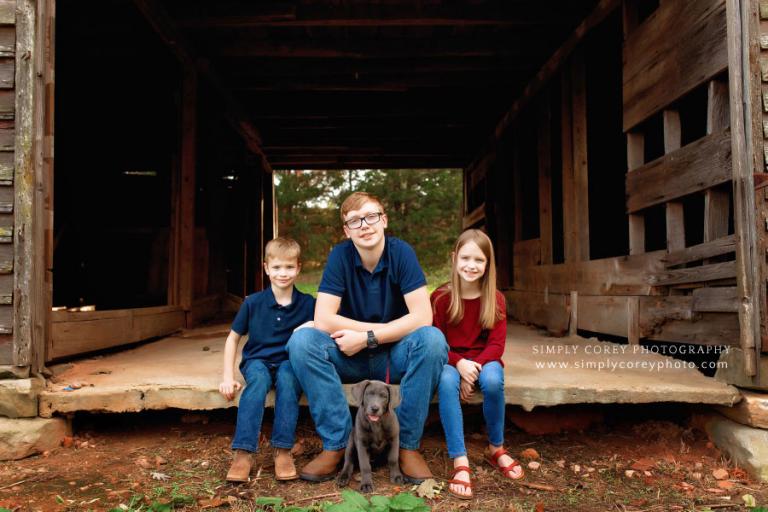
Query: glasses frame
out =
(360, 220)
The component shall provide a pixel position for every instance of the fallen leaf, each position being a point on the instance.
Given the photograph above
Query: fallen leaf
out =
(560, 463)
(530, 454)
(749, 501)
(714, 491)
(629, 473)
(212, 503)
(576, 468)
(143, 462)
(159, 476)
(67, 441)
(429, 488)
(534, 465)
(643, 464)
(725, 484)
(539, 507)
(720, 474)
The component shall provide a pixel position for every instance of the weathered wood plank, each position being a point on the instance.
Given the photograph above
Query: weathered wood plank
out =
(7, 12)
(545, 182)
(475, 217)
(186, 204)
(635, 159)
(721, 299)
(680, 46)
(566, 150)
(633, 321)
(7, 72)
(6, 350)
(623, 275)
(547, 310)
(7, 40)
(580, 169)
(700, 274)
(527, 253)
(724, 245)
(716, 200)
(675, 219)
(693, 168)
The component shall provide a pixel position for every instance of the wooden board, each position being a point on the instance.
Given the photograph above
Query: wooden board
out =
(527, 253)
(724, 245)
(711, 272)
(721, 299)
(547, 310)
(692, 168)
(6, 350)
(203, 309)
(680, 46)
(79, 332)
(623, 275)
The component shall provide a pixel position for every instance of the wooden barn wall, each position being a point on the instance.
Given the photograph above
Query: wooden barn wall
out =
(9, 353)
(685, 292)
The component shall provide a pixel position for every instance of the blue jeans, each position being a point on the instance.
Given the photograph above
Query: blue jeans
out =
(259, 377)
(415, 362)
(491, 382)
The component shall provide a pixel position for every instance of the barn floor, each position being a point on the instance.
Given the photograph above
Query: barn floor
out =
(183, 371)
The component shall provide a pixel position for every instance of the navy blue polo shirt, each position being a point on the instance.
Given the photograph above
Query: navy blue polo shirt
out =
(269, 325)
(372, 296)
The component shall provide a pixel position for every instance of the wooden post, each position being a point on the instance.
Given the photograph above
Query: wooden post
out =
(635, 159)
(633, 320)
(186, 231)
(579, 236)
(517, 185)
(545, 181)
(566, 138)
(716, 200)
(674, 209)
(573, 324)
(744, 91)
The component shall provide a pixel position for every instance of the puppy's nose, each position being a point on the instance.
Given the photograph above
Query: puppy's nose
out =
(374, 409)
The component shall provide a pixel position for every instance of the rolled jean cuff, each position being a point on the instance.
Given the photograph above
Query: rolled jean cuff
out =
(284, 446)
(455, 455)
(245, 448)
(406, 446)
(333, 447)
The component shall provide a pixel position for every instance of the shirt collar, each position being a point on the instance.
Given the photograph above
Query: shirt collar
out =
(383, 261)
(272, 302)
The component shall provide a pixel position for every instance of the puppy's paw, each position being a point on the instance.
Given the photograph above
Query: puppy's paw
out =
(396, 478)
(342, 480)
(366, 487)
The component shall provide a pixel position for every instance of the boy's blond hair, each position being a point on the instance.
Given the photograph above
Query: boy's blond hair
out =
(282, 248)
(356, 200)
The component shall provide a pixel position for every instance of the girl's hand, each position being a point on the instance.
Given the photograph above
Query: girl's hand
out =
(466, 390)
(469, 370)
(229, 387)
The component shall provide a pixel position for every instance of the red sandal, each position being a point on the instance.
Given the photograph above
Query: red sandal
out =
(465, 483)
(493, 460)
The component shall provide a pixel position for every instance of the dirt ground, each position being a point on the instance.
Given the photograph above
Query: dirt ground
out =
(632, 459)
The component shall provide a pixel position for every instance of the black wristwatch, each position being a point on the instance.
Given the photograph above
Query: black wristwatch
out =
(372, 341)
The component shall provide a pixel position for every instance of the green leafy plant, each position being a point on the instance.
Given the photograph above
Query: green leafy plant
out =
(351, 501)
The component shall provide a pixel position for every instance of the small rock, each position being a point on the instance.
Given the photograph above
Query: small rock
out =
(205, 464)
(67, 441)
(725, 484)
(589, 470)
(696, 475)
(698, 465)
(159, 461)
(534, 465)
(143, 462)
(530, 454)
(576, 468)
(629, 473)
(720, 474)
(76, 385)
(72, 482)
(647, 473)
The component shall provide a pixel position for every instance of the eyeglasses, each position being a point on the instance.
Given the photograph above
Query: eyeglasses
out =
(370, 219)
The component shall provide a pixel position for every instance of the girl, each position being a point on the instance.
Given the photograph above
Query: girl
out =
(471, 313)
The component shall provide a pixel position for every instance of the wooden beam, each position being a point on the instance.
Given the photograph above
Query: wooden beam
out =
(716, 200)
(635, 159)
(474, 217)
(186, 203)
(161, 22)
(718, 247)
(743, 86)
(678, 32)
(633, 320)
(545, 180)
(700, 274)
(697, 166)
(579, 235)
(721, 299)
(573, 323)
(675, 217)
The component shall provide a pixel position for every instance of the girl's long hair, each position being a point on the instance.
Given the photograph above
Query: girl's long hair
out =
(490, 312)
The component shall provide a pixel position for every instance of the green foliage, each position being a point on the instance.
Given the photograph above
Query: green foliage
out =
(3, 509)
(137, 503)
(352, 501)
(423, 208)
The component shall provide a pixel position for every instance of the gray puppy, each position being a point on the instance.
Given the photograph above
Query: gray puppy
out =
(376, 429)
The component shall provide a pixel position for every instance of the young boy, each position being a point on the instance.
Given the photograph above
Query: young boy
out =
(269, 318)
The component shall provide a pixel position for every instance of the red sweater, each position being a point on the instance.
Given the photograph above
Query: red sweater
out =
(464, 338)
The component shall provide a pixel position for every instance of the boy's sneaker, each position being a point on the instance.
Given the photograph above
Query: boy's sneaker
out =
(240, 469)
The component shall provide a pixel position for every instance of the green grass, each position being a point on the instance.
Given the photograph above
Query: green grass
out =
(308, 281)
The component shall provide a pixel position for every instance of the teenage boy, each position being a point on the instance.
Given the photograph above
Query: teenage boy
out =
(268, 318)
(373, 320)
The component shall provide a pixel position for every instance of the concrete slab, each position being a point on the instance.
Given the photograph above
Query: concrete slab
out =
(731, 372)
(23, 437)
(751, 411)
(18, 397)
(539, 371)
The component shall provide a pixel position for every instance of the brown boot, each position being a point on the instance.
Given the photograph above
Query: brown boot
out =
(323, 467)
(240, 469)
(284, 466)
(413, 466)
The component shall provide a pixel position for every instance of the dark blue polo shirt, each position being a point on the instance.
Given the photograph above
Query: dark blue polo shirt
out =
(372, 296)
(269, 325)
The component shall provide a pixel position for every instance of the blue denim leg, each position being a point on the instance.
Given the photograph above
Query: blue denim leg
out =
(287, 395)
(250, 411)
(416, 363)
(321, 367)
(492, 386)
(450, 411)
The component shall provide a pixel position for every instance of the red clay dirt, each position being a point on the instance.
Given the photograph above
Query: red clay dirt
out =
(622, 464)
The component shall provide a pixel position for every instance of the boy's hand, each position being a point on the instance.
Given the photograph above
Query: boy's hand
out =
(350, 342)
(469, 370)
(229, 388)
(466, 390)
(305, 324)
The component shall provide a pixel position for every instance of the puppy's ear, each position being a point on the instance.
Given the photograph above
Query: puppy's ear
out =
(358, 390)
(394, 397)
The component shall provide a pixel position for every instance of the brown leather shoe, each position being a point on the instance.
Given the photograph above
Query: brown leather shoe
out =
(413, 466)
(240, 469)
(284, 466)
(323, 467)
